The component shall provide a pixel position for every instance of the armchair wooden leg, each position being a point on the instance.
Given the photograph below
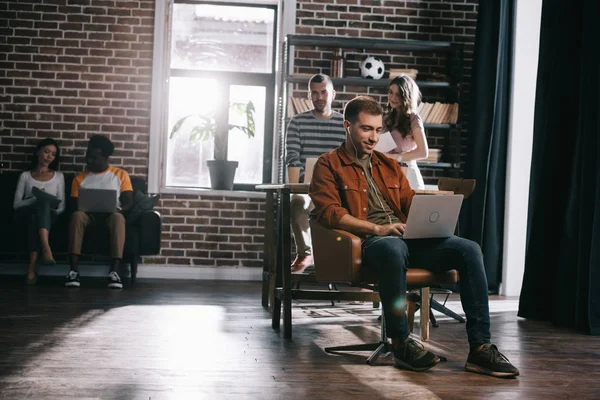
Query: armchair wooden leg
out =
(134, 269)
(424, 314)
(411, 309)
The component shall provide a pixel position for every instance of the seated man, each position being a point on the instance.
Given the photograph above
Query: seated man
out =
(310, 134)
(99, 175)
(359, 190)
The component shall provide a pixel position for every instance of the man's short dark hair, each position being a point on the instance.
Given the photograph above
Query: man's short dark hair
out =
(318, 78)
(361, 104)
(103, 143)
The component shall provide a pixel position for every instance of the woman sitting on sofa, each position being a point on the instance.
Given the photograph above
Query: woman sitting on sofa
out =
(39, 199)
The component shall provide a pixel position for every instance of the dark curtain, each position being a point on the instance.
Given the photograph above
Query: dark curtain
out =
(562, 266)
(486, 157)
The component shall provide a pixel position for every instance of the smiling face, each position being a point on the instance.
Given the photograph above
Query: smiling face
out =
(394, 97)
(46, 155)
(95, 161)
(363, 134)
(322, 95)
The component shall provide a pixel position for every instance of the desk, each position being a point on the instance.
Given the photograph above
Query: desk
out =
(277, 276)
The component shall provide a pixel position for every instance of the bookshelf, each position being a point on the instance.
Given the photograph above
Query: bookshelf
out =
(450, 87)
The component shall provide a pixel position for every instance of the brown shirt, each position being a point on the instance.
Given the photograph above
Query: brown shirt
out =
(339, 187)
(379, 212)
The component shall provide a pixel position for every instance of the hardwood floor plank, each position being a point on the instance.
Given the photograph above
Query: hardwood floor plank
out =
(213, 340)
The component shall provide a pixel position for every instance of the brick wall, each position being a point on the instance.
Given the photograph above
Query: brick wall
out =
(211, 231)
(73, 68)
(429, 20)
(70, 70)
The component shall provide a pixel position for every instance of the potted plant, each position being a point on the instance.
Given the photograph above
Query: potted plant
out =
(214, 127)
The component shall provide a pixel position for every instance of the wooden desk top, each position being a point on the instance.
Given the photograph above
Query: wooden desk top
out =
(303, 188)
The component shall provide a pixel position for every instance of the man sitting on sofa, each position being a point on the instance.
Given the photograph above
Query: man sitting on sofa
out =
(99, 175)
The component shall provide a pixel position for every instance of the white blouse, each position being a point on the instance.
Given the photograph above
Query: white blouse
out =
(55, 186)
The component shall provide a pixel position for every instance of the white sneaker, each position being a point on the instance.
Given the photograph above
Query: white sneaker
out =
(114, 282)
(72, 279)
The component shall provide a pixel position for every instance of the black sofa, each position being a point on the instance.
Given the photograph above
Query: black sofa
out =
(142, 235)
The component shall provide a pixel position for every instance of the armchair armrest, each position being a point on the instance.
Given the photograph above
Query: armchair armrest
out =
(150, 230)
(337, 254)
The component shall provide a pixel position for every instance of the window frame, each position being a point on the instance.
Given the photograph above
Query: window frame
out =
(162, 72)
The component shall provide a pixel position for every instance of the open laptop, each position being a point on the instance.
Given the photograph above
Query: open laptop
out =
(309, 168)
(433, 216)
(97, 200)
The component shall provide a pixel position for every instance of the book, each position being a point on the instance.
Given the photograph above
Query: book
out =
(396, 72)
(425, 111)
(386, 143)
(433, 115)
(43, 196)
(290, 107)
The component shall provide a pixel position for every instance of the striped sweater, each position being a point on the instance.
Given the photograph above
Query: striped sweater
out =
(309, 136)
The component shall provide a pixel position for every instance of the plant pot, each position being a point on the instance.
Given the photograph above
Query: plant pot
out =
(222, 173)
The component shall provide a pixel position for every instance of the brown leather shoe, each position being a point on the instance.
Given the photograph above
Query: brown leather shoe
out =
(301, 263)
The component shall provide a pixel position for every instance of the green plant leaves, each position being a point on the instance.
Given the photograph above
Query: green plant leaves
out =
(207, 127)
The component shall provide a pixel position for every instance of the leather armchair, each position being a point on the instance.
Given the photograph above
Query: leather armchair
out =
(338, 259)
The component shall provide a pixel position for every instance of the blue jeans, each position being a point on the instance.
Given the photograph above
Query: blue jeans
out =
(391, 256)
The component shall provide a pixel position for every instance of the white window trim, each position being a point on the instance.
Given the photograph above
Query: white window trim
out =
(160, 78)
(158, 109)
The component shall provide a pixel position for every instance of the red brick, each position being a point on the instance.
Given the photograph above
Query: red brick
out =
(246, 255)
(178, 261)
(206, 229)
(228, 263)
(205, 262)
(221, 254)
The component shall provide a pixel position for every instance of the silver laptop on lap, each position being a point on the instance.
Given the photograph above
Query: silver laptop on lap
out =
(433, 216)
(97, 200)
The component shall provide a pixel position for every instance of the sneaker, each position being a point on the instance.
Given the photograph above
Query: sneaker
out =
(414, 357)
(114, 282)
(72, 279)
(301, 263)
(489, 361)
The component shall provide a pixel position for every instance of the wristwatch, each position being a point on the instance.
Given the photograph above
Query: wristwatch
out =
(399, 159)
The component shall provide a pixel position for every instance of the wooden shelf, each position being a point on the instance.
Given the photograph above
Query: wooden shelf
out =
(439, 126)
(427, 126)
(358, 81)
(439, 165)
(448, 90)
(370, 44)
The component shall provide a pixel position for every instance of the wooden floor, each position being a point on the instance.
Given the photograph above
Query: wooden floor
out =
(213, 340)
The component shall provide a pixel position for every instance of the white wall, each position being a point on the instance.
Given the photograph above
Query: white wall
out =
(520, 141)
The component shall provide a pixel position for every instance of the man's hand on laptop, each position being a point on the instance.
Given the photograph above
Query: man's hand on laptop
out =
(396, 229)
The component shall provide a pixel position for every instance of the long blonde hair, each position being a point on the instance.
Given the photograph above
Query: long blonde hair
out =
(411, 97)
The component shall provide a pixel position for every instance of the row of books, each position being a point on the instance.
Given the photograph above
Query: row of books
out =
(396, 72)
(433, 157)
(438, 113)
(297, 105)
(431, 113)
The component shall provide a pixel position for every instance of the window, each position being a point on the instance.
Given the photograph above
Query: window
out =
(220, 58)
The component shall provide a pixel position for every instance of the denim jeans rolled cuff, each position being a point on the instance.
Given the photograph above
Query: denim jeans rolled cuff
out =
(392, 256)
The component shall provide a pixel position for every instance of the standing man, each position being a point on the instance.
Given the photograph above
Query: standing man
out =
(309, 135)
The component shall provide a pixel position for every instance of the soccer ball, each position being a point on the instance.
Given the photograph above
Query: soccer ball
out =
(371, 68)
